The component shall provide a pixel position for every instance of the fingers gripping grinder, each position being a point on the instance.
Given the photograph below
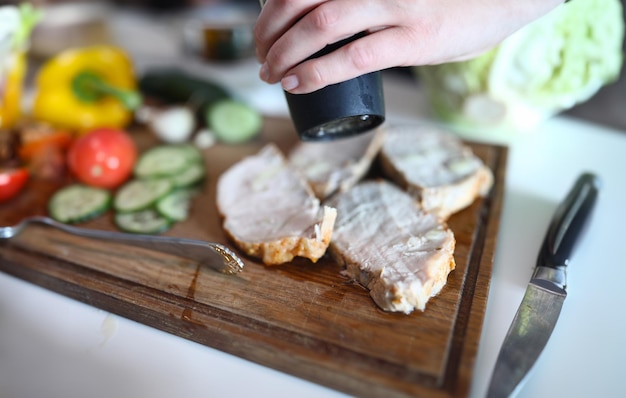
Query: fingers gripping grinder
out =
(339, 110)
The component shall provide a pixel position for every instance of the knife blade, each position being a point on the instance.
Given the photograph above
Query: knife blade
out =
(540, 308)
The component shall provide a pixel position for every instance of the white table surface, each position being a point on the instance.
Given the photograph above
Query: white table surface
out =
(52, 346)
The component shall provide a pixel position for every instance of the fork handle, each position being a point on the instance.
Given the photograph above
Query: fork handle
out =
(214, 255)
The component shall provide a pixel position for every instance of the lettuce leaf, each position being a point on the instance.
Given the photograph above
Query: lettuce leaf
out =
(554, 63)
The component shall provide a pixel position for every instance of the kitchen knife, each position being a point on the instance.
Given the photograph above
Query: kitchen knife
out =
(541, 305)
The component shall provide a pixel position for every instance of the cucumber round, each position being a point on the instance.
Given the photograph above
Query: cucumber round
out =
(191, 152)
(140, 194)
(175, 205)
(76, 203)
(146, 221)
(164, 160)
(190, 176)
(233, 122)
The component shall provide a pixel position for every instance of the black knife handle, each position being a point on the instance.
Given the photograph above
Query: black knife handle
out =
(569, 221)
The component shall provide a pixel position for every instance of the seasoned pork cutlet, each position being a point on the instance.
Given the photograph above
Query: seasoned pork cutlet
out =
(270, 212)
(388, 244)
(435, 167)
(336, 166)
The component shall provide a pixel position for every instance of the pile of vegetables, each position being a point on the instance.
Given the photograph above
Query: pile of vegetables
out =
(147, 195)
(549, 66)
(80, 130)
(85, 88)
(193, 98)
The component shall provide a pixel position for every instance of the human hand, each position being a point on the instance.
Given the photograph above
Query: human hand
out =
(401, 33)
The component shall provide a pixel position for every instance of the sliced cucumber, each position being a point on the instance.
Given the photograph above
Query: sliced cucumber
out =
(233, 122)
(190, 176)
(192, 152)
(164, 160)
(76, 203)
(146, 221)
(175, 205)
(140, 194)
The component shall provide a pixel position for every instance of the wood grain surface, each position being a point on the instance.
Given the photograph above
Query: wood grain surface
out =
(301, 318)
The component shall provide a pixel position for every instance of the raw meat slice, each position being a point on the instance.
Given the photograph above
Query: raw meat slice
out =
(388, 244)
(270, 212)
(435, 167)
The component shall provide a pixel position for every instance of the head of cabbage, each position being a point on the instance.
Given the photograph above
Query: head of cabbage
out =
(548, 66)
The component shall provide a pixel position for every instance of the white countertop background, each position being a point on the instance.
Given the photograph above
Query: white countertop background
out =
(52, 346)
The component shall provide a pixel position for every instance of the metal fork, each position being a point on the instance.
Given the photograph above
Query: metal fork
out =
(214, 255)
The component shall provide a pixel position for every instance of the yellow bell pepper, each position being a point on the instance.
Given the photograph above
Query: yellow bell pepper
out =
(84, 88)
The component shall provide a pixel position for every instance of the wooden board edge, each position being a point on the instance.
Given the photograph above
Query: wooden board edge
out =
(459, 384)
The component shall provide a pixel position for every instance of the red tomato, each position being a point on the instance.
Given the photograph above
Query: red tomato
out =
(11, 182)
(102, 158)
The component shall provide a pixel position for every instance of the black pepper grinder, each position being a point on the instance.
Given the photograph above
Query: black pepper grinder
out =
(339, 110)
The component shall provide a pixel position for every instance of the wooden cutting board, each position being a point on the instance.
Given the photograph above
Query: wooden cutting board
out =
(300, 318)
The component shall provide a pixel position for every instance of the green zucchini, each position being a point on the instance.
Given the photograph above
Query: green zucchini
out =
(175, 86)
